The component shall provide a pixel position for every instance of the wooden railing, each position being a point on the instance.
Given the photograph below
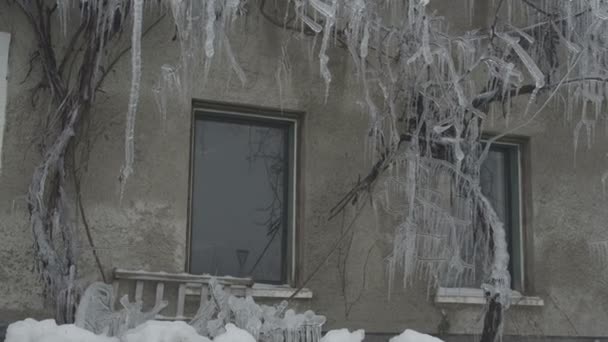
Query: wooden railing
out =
(191, 285)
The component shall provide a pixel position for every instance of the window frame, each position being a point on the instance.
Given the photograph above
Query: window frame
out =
(526, 227)
(524, 291)
(512, 151)
(230, 112)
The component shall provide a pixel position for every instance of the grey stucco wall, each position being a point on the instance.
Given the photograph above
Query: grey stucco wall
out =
(148, 229)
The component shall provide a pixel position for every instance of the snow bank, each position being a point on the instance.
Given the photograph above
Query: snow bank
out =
(414, 336)
(160, 331)
(343, 335)
(31, 330)
(234, 334)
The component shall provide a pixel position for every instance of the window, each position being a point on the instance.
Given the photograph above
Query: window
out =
(5, 39)
(501, 184)
(243, 194)
(500, 180)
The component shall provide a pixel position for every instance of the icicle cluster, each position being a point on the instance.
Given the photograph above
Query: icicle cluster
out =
(265, 323)
(96, 312)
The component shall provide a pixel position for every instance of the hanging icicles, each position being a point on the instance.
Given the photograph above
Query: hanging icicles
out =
(138, 9)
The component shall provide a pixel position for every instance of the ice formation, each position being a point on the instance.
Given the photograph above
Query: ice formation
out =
(96, 311)
(428, 94)
(224, 317)
(138, 18)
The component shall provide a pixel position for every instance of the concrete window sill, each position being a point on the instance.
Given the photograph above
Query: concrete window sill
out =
(192, 284)
(258, 290)
(451, 295)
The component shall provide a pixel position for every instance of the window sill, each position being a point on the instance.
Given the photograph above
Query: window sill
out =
(450, 295)
(258, 290)
(192, 284)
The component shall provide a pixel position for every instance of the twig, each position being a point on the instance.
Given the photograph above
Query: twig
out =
(87, 228)
(331, 252)
(124, 52)
(538, 9)
(564, 314)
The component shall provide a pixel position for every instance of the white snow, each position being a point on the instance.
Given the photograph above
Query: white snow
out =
(156, 331)
(234, 334)
(414, 336)
(31, 330)
(343, 335)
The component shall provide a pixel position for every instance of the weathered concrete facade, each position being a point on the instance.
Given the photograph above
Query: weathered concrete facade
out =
(148, 230)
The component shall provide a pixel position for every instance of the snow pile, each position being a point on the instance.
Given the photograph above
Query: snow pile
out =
(234, 334)
(31, 330)
(414, 336)
(343, 335)
(156, 331)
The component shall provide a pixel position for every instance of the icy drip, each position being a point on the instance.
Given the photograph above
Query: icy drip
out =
(63, 8)
(530, 64)
(127, 170)
(168, 85)
(210, 36)
(329, 12)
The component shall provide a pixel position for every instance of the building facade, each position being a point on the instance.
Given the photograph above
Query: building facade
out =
(291, 156)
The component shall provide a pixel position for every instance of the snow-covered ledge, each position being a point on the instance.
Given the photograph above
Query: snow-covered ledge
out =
(194, 282)
(195, 285)
(453, 295)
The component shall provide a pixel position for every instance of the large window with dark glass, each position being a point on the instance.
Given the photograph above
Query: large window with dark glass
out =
(242, 195)
(500, 181)
(501, 184)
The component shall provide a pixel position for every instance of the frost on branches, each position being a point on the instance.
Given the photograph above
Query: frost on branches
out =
(428, 95)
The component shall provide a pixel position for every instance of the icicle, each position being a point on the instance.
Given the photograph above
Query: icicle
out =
(134, 93)
(329, 12)
(210, 36)
(63, 7)
(313, 25)
(233, 62)
(605, 182)
(534, 70)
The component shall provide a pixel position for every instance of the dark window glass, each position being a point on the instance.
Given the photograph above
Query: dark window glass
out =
(240, 198)
(500, 186)
(500, 182)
